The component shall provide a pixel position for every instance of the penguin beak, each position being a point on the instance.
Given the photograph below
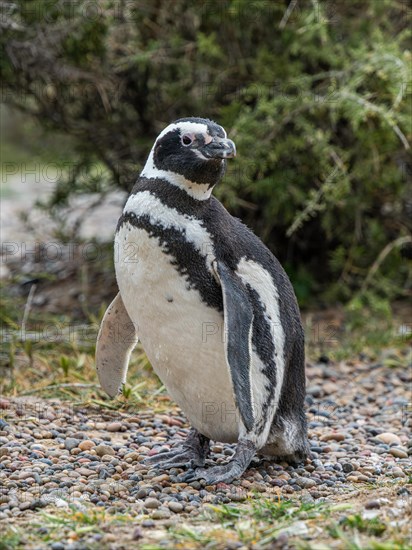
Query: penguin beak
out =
(219, 148)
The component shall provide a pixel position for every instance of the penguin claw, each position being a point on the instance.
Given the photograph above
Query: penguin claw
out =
(216, 474)
(192, 453)
(177, 458)
(224, 473)
(160, 457)
(187, 477)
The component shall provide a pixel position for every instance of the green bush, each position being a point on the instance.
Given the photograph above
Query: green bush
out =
(316, 95)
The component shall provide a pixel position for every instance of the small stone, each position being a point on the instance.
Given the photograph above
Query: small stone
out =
(71, 443)
(335, 436)
(347, 467)
(362, 477)
(372, 504)
(354, 479)
(330, 387)
(148, 523)
(151, 503)
(132, 456)
(305, 482)
(389, 438)
(161, 514)
(114, 427)
(398, 452)
(25, 474)
(315, 391)
(137, 534)
(159, 479)
(397, 472)
(102, 450)
(86, 445)
(176, 507)
(85, 472)
(237, 497)
(141, 493)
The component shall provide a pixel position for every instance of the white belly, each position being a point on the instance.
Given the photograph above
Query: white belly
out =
(182, 337)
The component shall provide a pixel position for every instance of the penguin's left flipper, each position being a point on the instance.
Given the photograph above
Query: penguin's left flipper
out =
(238, 319)
(115, 342)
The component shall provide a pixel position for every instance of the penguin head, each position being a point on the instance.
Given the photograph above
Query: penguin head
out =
(190, 153)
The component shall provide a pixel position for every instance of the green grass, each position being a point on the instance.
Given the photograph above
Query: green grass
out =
(11, 538)
(369, 526)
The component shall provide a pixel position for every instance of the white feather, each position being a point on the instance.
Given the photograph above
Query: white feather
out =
(183, 338)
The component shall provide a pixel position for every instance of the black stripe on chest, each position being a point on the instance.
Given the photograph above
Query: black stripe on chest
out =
(171, 196)
(185, 258)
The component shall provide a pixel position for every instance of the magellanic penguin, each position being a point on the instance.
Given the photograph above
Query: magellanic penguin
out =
(214, 310)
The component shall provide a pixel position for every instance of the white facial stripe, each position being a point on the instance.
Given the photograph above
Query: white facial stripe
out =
(199, 191)
(261, 281)
(184, 128)
(145, 203)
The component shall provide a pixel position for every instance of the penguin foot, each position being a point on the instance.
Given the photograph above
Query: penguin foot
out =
(193, 453)
(225, 473)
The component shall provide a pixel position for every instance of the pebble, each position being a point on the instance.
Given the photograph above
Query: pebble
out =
(71, 443)
(102, 450)
(114, 427)
(397, 472)
(372, 504)
(315, 391)
(151, 503)
(141, 493)
(398, 452)
(86, 472)
(305, 482)
(175, 506)
(389, 438)
(161, 514)
(83, 460)
(86, 445)
(336, 436)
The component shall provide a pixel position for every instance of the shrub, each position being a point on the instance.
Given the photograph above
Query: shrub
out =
(315, 94)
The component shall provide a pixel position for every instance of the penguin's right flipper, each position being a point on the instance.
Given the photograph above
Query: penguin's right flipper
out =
(238, 317)
(115, 342)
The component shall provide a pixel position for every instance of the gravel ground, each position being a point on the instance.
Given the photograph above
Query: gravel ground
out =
(62, 455)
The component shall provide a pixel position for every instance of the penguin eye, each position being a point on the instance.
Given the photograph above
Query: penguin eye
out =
(187, 140)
